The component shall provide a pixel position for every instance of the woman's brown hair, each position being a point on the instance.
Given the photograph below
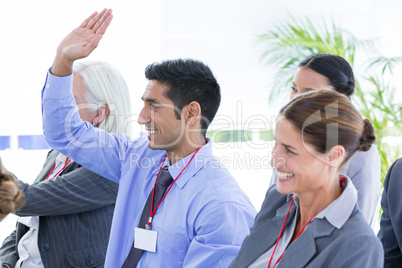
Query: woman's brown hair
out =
(327, 118)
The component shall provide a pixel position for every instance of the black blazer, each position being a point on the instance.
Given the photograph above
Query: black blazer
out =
(390, 232)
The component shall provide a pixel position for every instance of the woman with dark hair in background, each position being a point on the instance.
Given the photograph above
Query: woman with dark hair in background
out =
(310, 218)
(326, 71)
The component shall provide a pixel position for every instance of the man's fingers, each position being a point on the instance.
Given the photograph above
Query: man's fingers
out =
(103, 27)
(95, 19)
(85, 22)
(101, 20)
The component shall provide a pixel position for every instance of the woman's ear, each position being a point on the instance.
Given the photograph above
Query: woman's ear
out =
(336, 155)
(101, 114)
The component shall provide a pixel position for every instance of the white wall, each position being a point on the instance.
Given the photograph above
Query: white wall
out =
(221, 33)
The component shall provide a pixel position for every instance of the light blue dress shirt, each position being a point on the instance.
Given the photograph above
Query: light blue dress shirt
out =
(203, 219)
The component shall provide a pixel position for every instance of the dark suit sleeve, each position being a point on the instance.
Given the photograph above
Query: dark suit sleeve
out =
(390, 232)
(8, 252)
(77, 191)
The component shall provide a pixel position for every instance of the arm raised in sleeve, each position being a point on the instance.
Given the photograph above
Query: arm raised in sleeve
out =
(63, 128)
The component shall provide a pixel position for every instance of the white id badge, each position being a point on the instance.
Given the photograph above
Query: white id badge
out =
(145, 239)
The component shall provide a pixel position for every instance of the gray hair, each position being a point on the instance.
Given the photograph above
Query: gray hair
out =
(106, 85)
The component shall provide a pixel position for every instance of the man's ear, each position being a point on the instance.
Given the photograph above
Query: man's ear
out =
(101, 114)
(192, 113)
(336, 155)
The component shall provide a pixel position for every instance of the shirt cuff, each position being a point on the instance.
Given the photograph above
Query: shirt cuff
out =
(57, 87)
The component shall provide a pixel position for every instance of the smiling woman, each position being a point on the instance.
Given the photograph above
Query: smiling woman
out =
(316, 133)
(331, 72)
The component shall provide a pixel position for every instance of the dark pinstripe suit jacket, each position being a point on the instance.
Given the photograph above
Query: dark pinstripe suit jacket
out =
(75, 209)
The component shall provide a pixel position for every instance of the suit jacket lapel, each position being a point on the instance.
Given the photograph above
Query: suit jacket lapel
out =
(70, 167)
(301, 251)
(51, 158)
(269, 231)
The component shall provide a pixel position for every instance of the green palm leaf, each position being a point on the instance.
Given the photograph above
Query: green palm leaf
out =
(288, 43)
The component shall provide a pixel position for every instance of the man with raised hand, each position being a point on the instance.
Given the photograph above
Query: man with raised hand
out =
(176, 205)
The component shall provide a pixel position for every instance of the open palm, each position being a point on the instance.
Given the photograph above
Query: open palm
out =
(84, 39)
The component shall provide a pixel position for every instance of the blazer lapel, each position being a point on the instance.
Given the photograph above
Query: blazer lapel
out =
(268, 231)
(70, 167)
(301, 251)
(51, 158)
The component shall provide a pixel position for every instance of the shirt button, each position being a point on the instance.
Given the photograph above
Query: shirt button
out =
(47, 85)
(44, 247)
(89, 261)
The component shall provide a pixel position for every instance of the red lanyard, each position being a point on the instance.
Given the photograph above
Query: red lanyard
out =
(152, 212)
(280, 234)
(68, 162)
(342, 184)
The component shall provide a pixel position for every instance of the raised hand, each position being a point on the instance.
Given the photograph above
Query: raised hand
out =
(81, 42)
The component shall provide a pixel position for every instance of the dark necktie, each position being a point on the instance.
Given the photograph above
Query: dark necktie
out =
(163, 182)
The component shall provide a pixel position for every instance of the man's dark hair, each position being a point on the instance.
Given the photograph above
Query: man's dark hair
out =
(188, 80)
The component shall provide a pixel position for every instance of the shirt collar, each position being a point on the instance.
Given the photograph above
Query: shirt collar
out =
(61, 159)
(202, 157)
(339, 211)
